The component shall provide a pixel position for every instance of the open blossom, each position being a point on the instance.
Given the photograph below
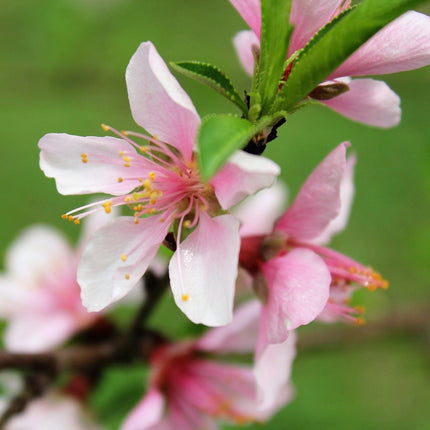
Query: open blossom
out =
(295, 277)
(402, 45)
(191, 387)
(160, 182)
(39, 293)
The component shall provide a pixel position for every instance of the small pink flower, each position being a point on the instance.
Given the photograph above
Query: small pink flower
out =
(402, 45)
(191, 388)
(295, 277)
(52, 412)
(160, 182)
(39, 293)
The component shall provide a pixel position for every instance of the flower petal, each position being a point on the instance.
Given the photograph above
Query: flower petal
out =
(299, 285)
(370, 102)
(308, 16)
(272, 372)
(203, 270)
(250, 11)
(239, 336)
(259, 212)
(404, 44)
(347, 191)
(116, 257)
(157, 101)
(318, 201)
(244, 174)
(61, 158)
(36, 253)
(147, 413)
(33, 333)
(244, 41)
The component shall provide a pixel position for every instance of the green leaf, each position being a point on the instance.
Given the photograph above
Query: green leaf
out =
(213, 77)
(219, 136)
(335, 43)
(275, 34)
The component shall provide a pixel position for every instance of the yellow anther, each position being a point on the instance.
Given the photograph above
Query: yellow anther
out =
(136, 220)
(107, 206)
(84, 158)
(152, 176)
(76, 221)
(124, 133)
(360, 309)
(126, 164)
(187, 223)
(144, 148)
(126, 158)
(140, 179)
(83, 155)
(123, 257)
(127, 276)
(360, 321)
(147, 184)
(70, 218)
(185, 297)
(120, 179)
(137, 196)
(150, 211)
(155, 137)
(162, 220)
(105, 127)
(121, 153)
(128, 199)
(138, 208)
(64, 216)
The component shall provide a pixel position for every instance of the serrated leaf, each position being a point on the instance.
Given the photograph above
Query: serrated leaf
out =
(275, 34)
(213, 77)
(335, 43)
(219, 136)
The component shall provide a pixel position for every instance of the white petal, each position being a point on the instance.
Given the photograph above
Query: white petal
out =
(61, 158)
(157, 101)
(116, 257)
(204, 270)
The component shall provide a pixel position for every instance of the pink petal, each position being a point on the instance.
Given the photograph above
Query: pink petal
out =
(158, 103)
(33, 333)
(272, 373)
(308, 16)
(250, 11)
(318, 201)
(237, 337)
(244, 174)
(370, 102)
(299, 284)
(61, 158)
(244, 43)
(204, 270)
(36, 253)
(259, 212)
(347, 191)
(147, 413)
(116, 257)
(404, 44)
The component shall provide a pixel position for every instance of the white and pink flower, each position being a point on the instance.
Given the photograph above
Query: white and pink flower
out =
(191, 387)
(404, 44)
(39, 293)
(296, 278)
(160, 182)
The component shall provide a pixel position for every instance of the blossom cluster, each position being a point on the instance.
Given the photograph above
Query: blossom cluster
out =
(240, 263)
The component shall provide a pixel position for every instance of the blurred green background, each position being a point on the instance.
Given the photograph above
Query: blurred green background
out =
(62, 65)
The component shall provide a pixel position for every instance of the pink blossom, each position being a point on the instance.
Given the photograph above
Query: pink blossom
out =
(191, 387)
(39, 293)
(404, 44)
(51, 412)
(295, 277)
(160, 182)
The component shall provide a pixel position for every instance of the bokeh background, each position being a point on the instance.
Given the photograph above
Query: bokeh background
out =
(62, 65)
